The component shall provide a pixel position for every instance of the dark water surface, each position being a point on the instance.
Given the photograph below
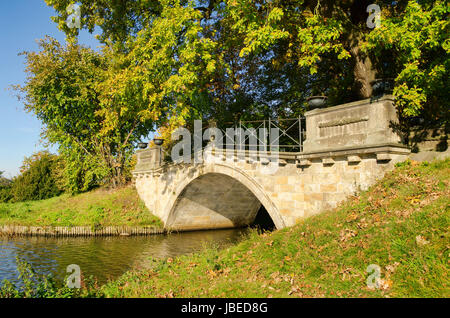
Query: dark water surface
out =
(104, 257)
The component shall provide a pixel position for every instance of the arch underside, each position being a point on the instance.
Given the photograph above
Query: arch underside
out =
(213, 201)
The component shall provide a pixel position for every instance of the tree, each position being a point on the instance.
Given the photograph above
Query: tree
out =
(90, 109)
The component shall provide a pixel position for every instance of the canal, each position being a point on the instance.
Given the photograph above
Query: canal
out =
(104, 258)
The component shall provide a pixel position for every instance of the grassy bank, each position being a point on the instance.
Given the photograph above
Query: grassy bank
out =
(97, 208)
(401, 224)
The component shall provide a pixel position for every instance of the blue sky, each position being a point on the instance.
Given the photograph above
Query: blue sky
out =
(22, 22)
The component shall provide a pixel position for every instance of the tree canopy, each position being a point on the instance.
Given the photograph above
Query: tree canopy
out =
(213, 57)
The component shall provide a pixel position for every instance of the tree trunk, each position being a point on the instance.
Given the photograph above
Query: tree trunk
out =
(364, 73)
(363, 69)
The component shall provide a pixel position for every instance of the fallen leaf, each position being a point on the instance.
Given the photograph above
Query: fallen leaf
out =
(384, 284)
(421, 241)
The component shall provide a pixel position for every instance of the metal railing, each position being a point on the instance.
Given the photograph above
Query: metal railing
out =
(289, 138)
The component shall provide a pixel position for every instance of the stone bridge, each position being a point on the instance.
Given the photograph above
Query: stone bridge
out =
(347, 148)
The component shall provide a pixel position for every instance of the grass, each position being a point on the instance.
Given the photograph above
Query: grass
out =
(400, 224)
(97, 208)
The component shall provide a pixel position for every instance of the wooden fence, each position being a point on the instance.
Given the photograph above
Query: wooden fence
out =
(16, 230)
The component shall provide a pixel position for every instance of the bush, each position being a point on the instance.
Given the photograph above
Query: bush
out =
(38, 180)
(5, 194)
(5, 188)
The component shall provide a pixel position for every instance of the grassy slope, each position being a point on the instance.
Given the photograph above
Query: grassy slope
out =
(99, 207)
(400, 224)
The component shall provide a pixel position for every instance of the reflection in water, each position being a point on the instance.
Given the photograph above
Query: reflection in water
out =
(103, 257)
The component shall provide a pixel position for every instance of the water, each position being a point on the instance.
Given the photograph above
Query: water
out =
(104, 257)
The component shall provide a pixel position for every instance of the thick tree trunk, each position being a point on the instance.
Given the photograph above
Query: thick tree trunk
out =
(363, 68)
(364, 73)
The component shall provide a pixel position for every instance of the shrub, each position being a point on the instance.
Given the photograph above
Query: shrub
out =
(5, 194)
(5, 188)
(38, 180)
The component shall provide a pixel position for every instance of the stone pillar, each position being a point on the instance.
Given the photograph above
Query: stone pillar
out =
(362, 123)
(149, 159)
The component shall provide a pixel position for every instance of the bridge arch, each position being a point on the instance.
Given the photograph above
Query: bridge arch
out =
(218, 196)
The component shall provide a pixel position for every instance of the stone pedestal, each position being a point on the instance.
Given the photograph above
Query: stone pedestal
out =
(361, 123)
(149, 159)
